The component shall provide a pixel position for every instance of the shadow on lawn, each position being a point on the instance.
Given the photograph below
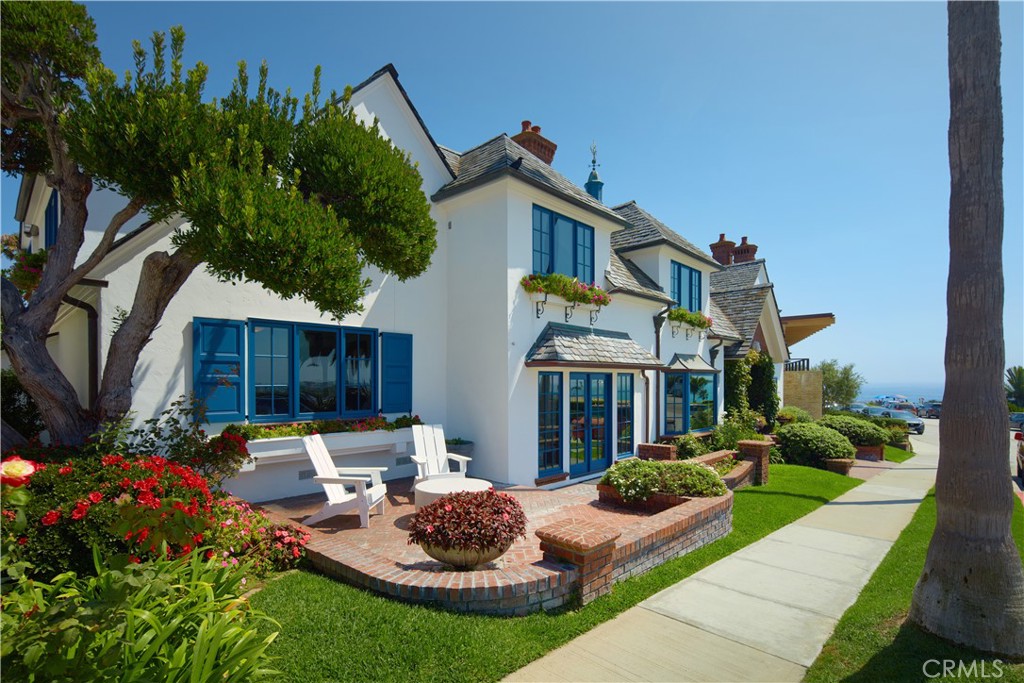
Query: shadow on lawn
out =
(755, 491)
(918, 656)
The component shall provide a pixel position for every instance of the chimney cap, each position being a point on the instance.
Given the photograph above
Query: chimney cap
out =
(526, 125)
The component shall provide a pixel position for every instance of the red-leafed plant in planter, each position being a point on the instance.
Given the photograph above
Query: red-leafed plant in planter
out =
(468, 528)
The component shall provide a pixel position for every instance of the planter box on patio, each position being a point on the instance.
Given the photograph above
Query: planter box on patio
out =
(280, 467)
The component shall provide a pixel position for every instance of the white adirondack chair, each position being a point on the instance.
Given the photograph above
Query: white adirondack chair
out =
(432, 457)
(369, 489)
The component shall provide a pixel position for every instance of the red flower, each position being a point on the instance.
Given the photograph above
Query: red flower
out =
(22, 540)
(108, 460)
(51, 517)
(80, 511)
(65, 470)
(95, 497)
(134, 560)
(142, 534)
(295, 552)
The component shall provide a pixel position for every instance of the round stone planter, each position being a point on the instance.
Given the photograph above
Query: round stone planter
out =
(464, 558)
(839, 465)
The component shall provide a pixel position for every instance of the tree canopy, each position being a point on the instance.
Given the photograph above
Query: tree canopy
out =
(297, 198)
(840, 383)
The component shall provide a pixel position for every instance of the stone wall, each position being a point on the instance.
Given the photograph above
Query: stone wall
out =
(802, 388)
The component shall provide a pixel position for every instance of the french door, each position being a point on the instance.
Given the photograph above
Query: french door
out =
(590, 422)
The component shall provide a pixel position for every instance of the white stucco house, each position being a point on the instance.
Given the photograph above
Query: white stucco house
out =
(546, 391)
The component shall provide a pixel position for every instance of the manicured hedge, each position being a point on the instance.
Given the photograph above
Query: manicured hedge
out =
(859, 432)
(807, 443)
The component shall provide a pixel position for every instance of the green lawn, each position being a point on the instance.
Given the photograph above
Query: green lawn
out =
(871, 642)
(897, 454)
(332, 632)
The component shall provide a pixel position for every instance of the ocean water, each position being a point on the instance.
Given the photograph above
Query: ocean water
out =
(914, 391)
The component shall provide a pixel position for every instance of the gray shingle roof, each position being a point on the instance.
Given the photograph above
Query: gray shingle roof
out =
(625, 276)
(743, 308)
(721, 326)
(736, 276)
(573, 345)
(502, 155)
(645, 230)
(453, 158)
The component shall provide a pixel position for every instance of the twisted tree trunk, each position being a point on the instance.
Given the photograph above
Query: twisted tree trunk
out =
(972, 588)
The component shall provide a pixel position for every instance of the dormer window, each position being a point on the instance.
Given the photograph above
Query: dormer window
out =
(562, 245)
(686, 287)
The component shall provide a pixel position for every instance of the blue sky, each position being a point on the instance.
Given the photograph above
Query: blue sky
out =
(816, 129)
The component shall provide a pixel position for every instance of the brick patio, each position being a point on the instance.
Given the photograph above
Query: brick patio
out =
(522, 580)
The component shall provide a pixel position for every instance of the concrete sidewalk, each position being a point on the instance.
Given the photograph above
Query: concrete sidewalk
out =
(762, 613)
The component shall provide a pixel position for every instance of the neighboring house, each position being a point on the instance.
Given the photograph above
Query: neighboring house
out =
(547, 391)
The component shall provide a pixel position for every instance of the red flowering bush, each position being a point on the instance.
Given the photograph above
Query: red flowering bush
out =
(241, 534)
(469, 520)
(122, 505)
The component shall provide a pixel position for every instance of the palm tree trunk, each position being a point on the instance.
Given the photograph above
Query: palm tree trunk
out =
(972, 588)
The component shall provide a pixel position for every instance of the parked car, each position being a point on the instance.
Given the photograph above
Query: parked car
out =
(1020, 456)
(914, 423)
(874, 411)
(1017, 421)
(930, 409)
(901, 405)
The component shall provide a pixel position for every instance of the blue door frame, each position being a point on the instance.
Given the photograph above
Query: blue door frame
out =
(590, 422)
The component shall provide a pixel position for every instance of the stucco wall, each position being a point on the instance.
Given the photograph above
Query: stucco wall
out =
(803, 390)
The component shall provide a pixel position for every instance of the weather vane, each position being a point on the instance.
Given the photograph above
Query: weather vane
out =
(593, 154)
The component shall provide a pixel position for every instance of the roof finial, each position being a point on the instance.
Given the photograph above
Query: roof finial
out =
(594, 184)
(593, 156)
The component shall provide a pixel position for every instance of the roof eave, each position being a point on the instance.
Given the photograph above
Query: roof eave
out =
(642, 295)
(590, 364)
(661, 240)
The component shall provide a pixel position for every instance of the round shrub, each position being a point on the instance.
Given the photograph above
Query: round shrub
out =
(689, 446)
(469, 520)
(859, 432)
(794, 414)
(807, 443)
(690, 479)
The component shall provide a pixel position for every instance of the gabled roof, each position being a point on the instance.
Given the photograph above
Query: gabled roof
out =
(454, 159)
(743, 308)
(736, 276)
(645, 230)
(625, 276)
(721, 326)
(560, 344)
(393, 72)
(501, 156)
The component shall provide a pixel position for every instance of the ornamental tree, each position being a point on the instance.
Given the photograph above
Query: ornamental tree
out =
(297, 196)
(840, 383)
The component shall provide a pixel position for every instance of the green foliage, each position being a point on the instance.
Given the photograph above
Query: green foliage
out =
(795, 414)
(243, 536)
(811, 444)
(840, 384)
(18, 408)
(859, 432)
(166, 620)
(737, 427)
(775, 456)
(1015, 386)
(255, 431)
(569, 288)
(737, 385)
(764, 391)
(725, 466)
(692, 318)
(26, 267)
(636, 480)
(689, 446)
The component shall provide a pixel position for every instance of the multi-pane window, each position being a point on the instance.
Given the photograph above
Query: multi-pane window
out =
(624, 408)
(690, 403)
(562, 245)
(358, 372)
(549, 423)
(318, 370)
(271, 374)
(686, 287)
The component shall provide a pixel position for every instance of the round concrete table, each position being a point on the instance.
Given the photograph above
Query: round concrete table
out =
(431, 489)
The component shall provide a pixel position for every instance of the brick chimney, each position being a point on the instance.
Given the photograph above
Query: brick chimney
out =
(744, 253)
(540, 146)
(721, 250)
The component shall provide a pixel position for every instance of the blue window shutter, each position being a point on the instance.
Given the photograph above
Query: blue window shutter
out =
(218, 365)
(52, 219)
(695, 293)
(584, 253)
(675, 285)
(396, 372)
